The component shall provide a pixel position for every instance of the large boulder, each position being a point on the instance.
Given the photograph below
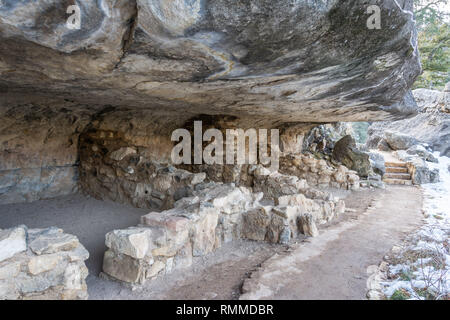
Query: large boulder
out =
(420, 151)
(428, 99)
(107, 96)
(321, 139)
(421, 172)
(346, 152)
(399, 141)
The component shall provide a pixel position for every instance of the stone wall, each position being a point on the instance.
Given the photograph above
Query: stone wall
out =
(43, 264)
(124, 157)
(120, 154)
(216, 213)
(319, 172)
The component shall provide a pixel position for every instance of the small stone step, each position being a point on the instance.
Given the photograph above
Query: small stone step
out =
(396, 170)
(398, 181)
(401, 176)
(395, 164)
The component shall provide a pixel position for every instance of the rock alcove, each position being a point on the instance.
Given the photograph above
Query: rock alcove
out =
(92, 110)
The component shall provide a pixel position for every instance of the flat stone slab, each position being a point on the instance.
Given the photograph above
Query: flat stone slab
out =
(51, 241)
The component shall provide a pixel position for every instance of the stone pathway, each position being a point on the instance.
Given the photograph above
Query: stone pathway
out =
(334, 264)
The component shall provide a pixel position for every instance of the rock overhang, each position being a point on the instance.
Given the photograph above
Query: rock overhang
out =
(273, 61)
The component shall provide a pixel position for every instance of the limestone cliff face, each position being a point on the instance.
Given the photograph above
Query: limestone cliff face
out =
(277, 60)
(141, 68)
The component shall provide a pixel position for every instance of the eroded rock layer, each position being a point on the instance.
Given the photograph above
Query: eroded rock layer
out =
(39, 148)
(95, 106)
(278, 61)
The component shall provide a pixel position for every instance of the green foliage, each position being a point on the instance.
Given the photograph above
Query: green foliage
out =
(406, 276)
(400, 294)
(434, 42)
(360, 130)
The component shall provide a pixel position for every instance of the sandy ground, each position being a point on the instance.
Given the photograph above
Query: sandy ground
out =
(217, 276)
(334, 264)
(221, 274)
(87, 218)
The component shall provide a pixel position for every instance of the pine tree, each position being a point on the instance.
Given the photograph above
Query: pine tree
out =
(432, 18)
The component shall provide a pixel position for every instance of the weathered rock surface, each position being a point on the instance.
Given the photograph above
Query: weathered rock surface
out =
(215, 214)
(421, 172)
(346, 152)
(318, 172)
(41, 264)
(399, 141)
(430, 126)
(420, 151)
(95, 107)
(377, 162)
(39, 148)
(303, 61)
(11, 242)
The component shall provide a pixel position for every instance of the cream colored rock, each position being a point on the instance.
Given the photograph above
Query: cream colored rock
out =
(12, 241)
(78, 254)
(204, 234)
(9, 269)
(51, 241)
(50, 271)
(291, 200)
(74, 276)
(133, 242)
(43, 263)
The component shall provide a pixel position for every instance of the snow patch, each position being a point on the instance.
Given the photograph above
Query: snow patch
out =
(430, 271)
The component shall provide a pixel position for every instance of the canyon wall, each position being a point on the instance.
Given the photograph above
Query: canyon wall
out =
(95, 106)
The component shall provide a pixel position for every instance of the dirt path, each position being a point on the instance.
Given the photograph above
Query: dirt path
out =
(330, 266)
(333, 265)
(216, 276)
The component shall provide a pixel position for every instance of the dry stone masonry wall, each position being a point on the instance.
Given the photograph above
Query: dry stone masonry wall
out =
(44, 264)
(125, 156)
(216, 213)
(319, 172)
